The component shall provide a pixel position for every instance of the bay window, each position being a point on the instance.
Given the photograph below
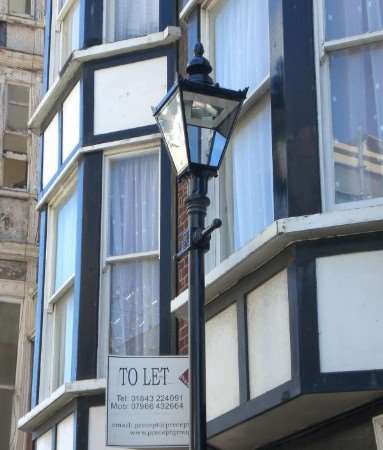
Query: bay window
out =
(350, 59)
(130, 278)
(126, 19)
(59, 288)
(237, 36)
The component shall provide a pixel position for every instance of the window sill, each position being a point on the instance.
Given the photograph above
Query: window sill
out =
(57, 400)
(97, 52)
(22, 19)
(276, 237)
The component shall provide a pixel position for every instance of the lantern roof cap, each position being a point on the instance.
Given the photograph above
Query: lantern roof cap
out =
(199, 67)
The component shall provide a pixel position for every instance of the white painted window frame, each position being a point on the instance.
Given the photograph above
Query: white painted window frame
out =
(254, 98)
(52, 297)
(323, 81)
(107, 261)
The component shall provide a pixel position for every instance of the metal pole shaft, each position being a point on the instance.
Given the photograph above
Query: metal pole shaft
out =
(197, 204)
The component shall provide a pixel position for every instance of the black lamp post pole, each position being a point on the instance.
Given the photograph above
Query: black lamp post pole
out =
(196, 204)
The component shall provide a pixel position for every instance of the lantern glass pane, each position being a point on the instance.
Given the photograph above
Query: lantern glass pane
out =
(170, 120)
(206, 111)
(200, 142)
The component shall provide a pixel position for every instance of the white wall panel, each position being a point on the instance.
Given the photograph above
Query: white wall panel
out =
(350, 311)
(124, 95)
(44, 442)
(51, 150)
(97, 427)
(222, 377)
(269, 335)
(65, 434)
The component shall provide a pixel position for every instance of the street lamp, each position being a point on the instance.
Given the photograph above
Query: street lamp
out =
(196, 119)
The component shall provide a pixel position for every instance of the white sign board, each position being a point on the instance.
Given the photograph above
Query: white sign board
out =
(148, 402)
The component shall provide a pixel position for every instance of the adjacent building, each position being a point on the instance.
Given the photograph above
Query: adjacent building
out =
(21, 64)
(293, 284)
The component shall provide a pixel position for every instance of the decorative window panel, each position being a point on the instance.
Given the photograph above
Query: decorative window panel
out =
(269, 335)
(222, 374)
(350, 311)
(130, 97)
(126, 19)
(71, 121)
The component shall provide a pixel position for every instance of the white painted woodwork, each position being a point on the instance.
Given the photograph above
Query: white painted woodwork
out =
(269, 335)
(45, 441)
(377, 423)
(97, 427)
(350, 311)
(65, 434)
(277, 236)
(222, 375)
(132, 90)
(71, 121)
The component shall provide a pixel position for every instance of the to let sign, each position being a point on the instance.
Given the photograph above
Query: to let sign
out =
(148, 402)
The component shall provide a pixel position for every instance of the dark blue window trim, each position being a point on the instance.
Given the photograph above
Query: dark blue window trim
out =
(39, 308)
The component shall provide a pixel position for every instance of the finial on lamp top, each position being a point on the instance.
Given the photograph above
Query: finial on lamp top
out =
(199, 67)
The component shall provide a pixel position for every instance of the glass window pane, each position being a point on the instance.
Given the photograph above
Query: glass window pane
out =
(63, 339)
(15, 143)
(71, 121)
(65, 434)
(132, 18)
(51, 150)
(246, 181)
(71, 32)
(134, 309)
(239, 31)
(20, 6)
(6, 402)
(350, 17)
(44, 442)
(17, 117)
(133, 197)
(18, 94)
(357, 122)
(9, 332)
(66, 240)
(15, 173)
(171, 122)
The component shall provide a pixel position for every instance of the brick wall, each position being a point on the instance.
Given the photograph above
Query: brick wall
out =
(182, 264)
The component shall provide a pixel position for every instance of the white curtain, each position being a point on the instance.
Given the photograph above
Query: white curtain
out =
(247, 187)
(66, 241)
(133, 18)
(240, 30)
(134, 219)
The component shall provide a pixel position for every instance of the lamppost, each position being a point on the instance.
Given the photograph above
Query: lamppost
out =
(196, 119)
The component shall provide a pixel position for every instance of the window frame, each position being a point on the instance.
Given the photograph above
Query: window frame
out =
(323, 50)
(108, 28)
(52, 297)
(9, 154)
(254, 98)
(106, 262)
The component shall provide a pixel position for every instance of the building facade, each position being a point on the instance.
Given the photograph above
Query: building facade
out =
(21, 64)
(293, 303)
